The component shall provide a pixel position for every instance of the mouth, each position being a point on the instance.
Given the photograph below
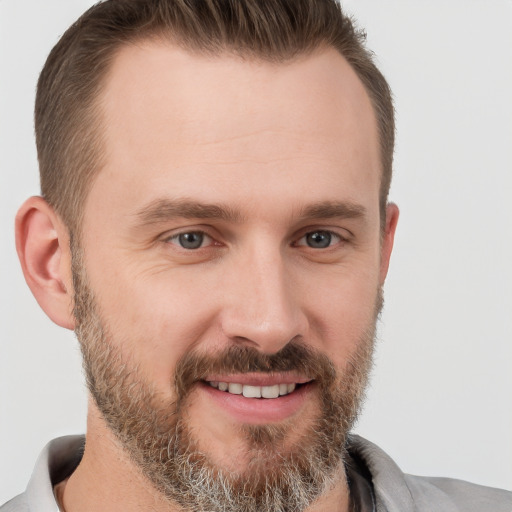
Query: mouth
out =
(258, 398)
(248, 391)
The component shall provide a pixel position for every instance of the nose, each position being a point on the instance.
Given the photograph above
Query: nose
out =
(261, 306)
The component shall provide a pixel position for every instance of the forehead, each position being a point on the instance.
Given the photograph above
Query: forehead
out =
(175, 120)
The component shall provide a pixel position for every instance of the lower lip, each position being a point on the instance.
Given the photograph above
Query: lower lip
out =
(259, 411)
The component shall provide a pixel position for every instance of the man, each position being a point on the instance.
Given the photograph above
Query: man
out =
(215, 228)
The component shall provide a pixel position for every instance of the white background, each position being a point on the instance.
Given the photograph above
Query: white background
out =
(440, 400)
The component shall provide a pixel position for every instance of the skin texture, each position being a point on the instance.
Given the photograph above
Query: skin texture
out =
(281, 150)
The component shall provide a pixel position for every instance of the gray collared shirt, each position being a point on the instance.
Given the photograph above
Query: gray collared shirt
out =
(377, 484)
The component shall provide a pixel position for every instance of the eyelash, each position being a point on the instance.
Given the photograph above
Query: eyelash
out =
(331, 235)
(175, 239)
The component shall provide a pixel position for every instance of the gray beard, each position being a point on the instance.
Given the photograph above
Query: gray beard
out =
(155, 434)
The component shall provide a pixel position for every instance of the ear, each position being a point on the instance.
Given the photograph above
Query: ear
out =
(392, 214)
(42, 243)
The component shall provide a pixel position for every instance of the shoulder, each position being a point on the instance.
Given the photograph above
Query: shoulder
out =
(57, 461)
(395, 490)
(460, 495)
(17, 504)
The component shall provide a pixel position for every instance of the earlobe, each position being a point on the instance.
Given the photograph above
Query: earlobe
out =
(392, 214)
(42, 243)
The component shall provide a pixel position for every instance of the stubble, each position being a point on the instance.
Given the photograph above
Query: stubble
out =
(154, 431)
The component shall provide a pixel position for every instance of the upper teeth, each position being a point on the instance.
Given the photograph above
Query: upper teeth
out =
(253, 391)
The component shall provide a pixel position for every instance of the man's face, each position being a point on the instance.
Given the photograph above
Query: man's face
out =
(232, 240)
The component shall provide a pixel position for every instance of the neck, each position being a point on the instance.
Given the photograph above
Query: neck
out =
(107, 479)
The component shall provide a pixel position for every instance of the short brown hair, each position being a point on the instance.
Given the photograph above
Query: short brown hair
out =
(67, 114)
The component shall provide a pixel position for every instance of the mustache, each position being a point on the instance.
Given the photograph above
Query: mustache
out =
(293, 357)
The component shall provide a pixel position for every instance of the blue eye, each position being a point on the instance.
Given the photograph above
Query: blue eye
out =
(191, 240)
(319, 239)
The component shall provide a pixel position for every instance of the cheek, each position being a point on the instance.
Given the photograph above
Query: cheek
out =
(342, 311)
(153, 319)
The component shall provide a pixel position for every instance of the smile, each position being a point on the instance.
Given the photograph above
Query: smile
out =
(235, 388)
(258, 397)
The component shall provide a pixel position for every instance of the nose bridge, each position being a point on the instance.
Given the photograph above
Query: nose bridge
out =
(262, 309)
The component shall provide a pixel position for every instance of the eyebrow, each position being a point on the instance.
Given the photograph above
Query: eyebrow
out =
(333, 209)
(162, 210)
